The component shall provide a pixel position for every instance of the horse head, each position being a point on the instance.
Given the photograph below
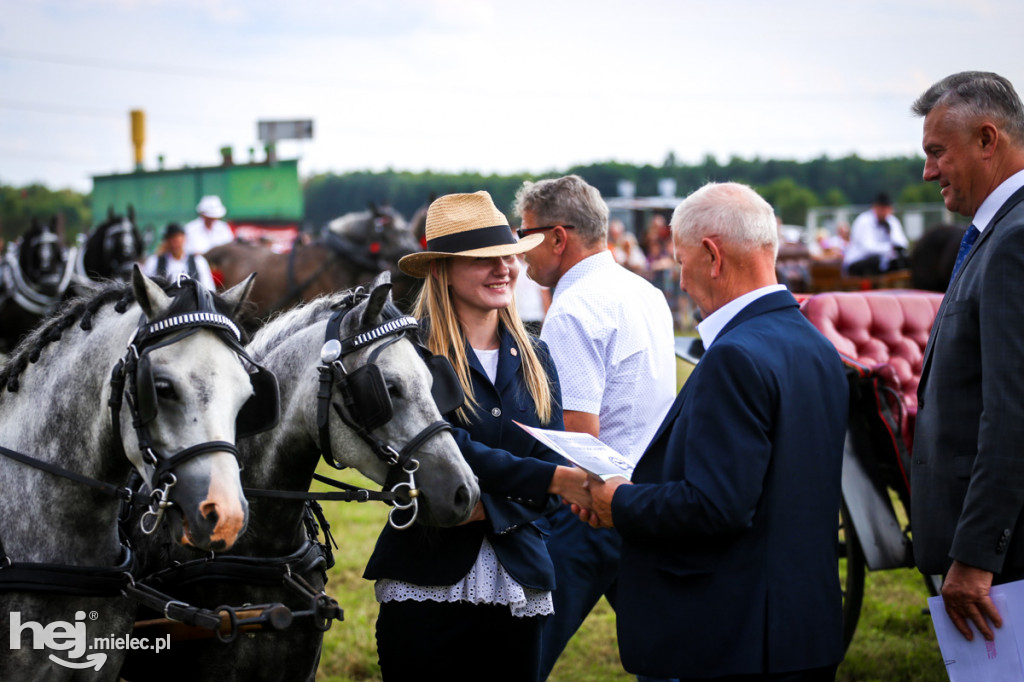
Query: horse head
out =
(113, 248)
(42, 256)
(353, 379)
(187, 387)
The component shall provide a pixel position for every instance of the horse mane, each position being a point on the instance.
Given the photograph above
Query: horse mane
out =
(290, 321)
(81, 311)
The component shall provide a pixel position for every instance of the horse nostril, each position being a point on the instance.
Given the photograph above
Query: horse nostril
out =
(463, 499)
(209, 513)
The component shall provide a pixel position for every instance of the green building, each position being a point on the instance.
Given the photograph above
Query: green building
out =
(260, 197)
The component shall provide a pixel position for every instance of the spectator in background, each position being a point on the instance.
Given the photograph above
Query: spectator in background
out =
(658, 249)
(625, 247)
(171, 260)
(208, 230)
(877, 242)
(833, 246)
(610, 335)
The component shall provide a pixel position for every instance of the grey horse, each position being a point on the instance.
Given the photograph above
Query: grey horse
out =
(54, 410)
(285, 458)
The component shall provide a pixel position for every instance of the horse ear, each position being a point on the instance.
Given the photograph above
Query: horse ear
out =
(380, 293)
(373, 209)
(237, 295)
(131, 213)
(110, 212)
(148, 294)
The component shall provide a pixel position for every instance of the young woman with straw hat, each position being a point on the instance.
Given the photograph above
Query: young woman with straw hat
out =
(468, 602)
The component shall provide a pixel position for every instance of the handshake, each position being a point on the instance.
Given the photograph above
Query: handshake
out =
(589, 496)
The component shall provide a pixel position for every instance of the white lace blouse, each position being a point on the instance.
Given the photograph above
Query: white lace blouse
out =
(486, 583)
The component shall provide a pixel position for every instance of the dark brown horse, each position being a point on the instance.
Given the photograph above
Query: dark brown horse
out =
(350, 252)
(931, 260)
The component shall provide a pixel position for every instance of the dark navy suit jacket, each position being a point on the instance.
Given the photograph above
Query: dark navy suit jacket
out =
(514, 471)
(967, 476)
(730, 533)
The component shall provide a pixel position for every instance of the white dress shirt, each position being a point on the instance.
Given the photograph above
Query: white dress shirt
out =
(611, 337)
(868, 238)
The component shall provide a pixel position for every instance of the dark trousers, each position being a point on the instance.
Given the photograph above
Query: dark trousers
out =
(586, 564)
(429, 640)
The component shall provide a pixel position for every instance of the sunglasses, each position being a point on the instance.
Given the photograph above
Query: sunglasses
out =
(522, 232)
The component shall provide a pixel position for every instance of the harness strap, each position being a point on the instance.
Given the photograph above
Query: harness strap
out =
(351, 493)
(354, 253)
(85, 581)
(166, 465)
(123, 493)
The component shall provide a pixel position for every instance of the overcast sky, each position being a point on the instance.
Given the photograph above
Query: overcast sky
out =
(482, 85)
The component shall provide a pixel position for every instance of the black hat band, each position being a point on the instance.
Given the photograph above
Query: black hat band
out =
(479, 238)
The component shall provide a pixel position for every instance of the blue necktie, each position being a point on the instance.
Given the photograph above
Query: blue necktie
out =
(965, 247)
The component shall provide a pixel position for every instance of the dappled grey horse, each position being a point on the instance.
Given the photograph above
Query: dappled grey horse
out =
(141, 377)
(355, 387)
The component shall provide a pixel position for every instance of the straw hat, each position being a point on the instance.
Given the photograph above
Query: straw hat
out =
(211, 207)
(465, 225)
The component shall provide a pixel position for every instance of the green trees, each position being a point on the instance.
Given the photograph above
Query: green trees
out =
(791, 186)
(19, 205)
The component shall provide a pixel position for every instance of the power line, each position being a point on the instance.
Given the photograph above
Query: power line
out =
(150, 69)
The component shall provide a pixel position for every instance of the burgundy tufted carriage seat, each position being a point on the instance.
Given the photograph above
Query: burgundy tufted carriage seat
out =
(880, 334)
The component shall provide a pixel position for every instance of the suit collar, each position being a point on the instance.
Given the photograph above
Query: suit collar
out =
(769, 303)
(765, 304)
(1008, 205)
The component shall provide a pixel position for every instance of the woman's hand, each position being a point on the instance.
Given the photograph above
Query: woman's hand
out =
(478, 514)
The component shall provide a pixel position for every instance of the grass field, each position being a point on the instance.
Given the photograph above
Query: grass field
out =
(894, 640)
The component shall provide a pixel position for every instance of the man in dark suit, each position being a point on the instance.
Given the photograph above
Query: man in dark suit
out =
(967, 476)
(730, 548)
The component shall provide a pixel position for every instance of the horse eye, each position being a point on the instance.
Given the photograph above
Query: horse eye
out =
(164, 389)
(394, 390)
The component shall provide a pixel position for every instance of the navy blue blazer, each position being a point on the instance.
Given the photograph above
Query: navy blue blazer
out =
(730, 533)
(514, 471)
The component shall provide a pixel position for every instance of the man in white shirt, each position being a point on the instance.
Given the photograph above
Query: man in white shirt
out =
(208, 230)
(172, 261)
(877, 242)
(611, 337)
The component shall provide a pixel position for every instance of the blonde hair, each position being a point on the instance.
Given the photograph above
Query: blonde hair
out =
(445, 337)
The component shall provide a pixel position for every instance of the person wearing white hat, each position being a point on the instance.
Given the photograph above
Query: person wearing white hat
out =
(208, 230)
(468, 602)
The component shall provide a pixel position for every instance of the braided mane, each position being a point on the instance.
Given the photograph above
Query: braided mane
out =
(81, 311)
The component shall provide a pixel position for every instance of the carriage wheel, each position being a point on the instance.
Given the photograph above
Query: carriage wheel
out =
(851, 575)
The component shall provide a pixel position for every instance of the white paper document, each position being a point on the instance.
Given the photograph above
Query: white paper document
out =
(980, 660)
(584, 451)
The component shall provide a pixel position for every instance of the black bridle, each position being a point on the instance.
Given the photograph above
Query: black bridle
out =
(365, 406)
(131, 379)
(103, 580)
